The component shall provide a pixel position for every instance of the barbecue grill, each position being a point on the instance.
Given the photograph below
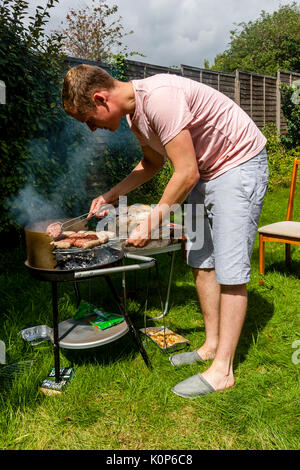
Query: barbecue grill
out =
(74, 265)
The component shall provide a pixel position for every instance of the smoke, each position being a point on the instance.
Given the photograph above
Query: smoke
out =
(64, 171)
(59, 174)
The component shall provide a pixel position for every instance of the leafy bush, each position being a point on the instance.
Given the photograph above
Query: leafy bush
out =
(290, 103)
(30, 64)
(280, 158)
(45, 155)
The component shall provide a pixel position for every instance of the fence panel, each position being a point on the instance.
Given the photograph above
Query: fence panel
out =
(227, 85)
(270, 100)
(258, 95)
(191, 72)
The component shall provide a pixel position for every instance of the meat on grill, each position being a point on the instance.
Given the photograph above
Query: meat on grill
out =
(65, 244)
(83, 243)
(54, 230)
(81, 239)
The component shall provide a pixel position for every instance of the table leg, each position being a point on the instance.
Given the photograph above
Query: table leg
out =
(124, 286)
(128, 321)
(55, 331)
(166, 307)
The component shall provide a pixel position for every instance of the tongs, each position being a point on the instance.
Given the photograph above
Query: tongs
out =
(71, 222)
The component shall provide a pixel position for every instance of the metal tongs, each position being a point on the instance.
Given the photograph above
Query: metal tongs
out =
(71, 222)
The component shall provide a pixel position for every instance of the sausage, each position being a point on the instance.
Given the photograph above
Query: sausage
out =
(78, 235)
(102, 237)
(63, 243)
(90, 232)
(91, 237)
(68, 233)
(91, 243)
(106, 235)
(79, 242)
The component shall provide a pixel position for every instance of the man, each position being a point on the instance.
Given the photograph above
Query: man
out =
(218, 155)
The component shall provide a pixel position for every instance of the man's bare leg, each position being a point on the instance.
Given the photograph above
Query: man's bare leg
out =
(233, 305)
(208, 291)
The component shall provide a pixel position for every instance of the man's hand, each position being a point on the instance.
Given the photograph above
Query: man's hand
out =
(96, 206)
(139, 237)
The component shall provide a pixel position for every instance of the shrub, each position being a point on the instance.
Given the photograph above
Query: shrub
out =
(45, 155)
(280, 158)
(290, 103)
(30, 64)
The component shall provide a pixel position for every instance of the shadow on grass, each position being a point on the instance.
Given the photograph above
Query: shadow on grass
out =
(281, 268)
(122, 350)
(259, 312)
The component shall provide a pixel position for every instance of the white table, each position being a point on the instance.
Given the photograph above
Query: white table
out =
(172, 249)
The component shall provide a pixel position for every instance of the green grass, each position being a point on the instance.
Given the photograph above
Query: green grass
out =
(115, 402)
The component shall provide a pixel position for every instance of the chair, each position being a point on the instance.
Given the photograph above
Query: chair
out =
(287, 231)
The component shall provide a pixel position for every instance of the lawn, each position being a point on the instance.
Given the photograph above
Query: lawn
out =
(115, 402)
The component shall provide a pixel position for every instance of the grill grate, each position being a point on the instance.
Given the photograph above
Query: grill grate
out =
(77, 258)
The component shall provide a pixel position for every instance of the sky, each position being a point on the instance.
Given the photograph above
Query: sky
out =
(174, 32)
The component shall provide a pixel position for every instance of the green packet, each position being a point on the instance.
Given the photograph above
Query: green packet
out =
(103, 319)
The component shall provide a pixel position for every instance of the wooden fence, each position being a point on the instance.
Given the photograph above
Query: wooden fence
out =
(258, 95)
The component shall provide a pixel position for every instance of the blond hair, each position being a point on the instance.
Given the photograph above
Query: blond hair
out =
(80, 83)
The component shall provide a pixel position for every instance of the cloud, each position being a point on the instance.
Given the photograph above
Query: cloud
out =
(174, 32)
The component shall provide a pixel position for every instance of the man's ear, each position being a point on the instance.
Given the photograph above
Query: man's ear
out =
(100, 97)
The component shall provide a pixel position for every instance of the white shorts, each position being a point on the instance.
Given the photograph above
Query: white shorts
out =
(232, 206)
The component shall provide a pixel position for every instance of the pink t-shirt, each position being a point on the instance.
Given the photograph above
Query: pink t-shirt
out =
(224, 136)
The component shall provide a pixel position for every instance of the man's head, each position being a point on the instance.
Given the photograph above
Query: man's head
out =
(88, 96)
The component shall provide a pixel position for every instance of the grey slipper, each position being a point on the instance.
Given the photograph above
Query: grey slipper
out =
(193, 387)
(185, 358)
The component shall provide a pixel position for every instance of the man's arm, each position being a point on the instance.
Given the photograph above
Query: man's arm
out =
(181, 153)
(143, 172)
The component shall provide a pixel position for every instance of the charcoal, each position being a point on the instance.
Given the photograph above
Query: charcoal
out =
(75, 258)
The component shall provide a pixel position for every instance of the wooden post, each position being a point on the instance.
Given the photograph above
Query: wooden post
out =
(278, 102)
(237, 88)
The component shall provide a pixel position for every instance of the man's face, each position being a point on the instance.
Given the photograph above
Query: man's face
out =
(106, 114)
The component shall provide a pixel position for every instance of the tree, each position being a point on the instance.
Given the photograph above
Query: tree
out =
(270, 43)
(94, 33)
(30, 65)
(291, 110)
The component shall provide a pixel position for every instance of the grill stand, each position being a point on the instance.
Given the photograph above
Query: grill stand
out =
(55, 331)
(146, 263)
